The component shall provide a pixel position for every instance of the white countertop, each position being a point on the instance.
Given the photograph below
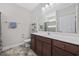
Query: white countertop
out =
(65, 37)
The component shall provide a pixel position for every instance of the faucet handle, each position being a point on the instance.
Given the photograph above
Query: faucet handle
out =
(48, 33)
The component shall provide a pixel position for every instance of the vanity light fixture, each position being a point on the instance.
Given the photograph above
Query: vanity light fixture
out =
(50, 4)
(43, 8)
(46, 6)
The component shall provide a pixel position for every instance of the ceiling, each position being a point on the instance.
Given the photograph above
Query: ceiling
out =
(29, 6)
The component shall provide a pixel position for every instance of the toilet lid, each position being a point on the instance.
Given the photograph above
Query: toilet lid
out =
(27, 40)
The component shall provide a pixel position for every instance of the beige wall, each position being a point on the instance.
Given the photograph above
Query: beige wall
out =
(11, 37)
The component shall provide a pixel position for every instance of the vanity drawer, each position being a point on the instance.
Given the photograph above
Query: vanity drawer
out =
(44, 39)
(60, 52)
(72, 48)
(47, 40)
(58, 44)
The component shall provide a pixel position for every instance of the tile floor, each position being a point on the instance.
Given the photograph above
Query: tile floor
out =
(19, 51)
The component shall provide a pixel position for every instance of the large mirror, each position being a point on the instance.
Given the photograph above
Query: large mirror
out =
(50, 24)
(60, 18)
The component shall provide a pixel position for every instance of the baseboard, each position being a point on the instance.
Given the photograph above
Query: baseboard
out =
(8, 47)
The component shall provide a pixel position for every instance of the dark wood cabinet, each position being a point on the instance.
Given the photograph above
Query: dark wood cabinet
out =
(38, 47)
(46, 49)
(43, 46)
(58, 49)
(33, 42)
(60, 52)
(46, 40)
(72, 48)
(58, 44)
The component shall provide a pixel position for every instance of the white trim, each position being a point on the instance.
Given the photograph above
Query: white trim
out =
(11, 46)
(51, 20)
(51, 26)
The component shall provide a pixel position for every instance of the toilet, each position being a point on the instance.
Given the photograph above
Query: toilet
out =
(27, 42)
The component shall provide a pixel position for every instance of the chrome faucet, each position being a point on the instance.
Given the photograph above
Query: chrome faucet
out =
(48, 33)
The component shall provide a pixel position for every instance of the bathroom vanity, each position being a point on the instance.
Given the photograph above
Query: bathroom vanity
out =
(55, 44)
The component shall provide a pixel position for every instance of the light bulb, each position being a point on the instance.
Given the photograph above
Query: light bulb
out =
(50, 4)
(46, 6)
(43, 8)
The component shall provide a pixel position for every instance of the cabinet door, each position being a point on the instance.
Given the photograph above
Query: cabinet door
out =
(60, 52)
(38, 47)
(33, 42)
(46, 49)
(72, 48)
(58, 44)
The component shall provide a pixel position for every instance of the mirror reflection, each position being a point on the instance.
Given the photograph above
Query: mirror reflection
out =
(50, 24)
(58, 17)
